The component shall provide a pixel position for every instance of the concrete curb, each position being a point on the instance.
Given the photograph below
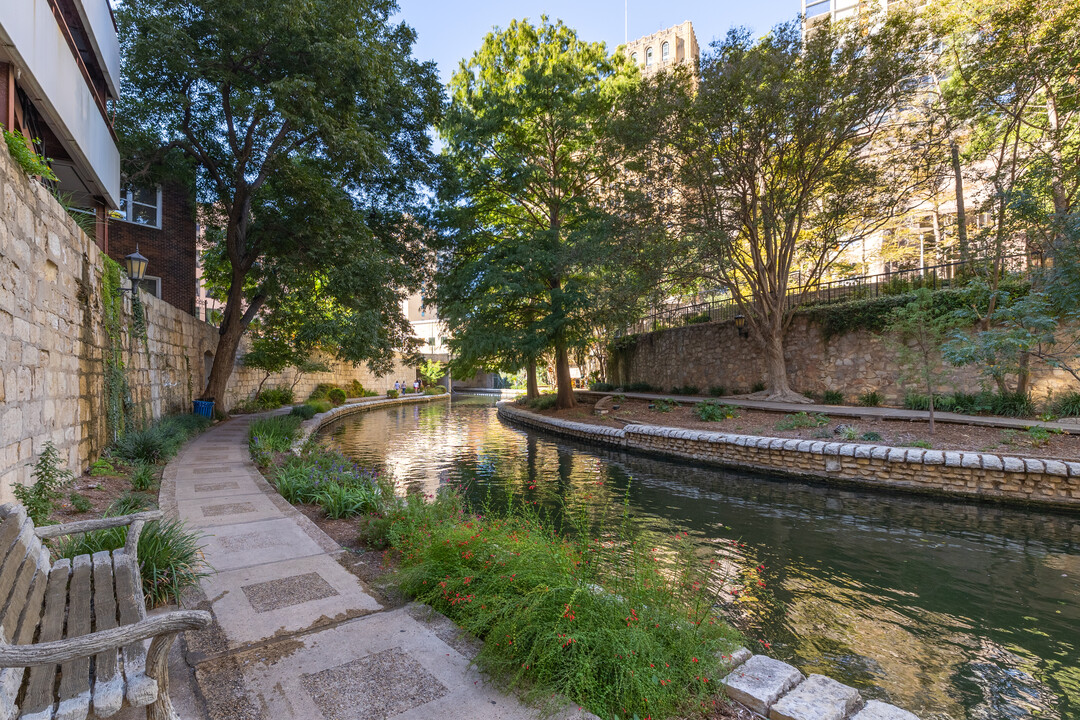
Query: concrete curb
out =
(980, 476)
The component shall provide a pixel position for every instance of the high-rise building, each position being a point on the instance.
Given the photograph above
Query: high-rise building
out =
(59, 67)
(665, 48)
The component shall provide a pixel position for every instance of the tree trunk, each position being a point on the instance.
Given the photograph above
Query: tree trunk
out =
(961, 219)
(1023, 375)
(931, 396)
(776, 379)
(258, 390)
(563, 384)
(531, 390)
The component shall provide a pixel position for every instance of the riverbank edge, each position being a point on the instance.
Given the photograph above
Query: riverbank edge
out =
(987, 477)
(316, 423)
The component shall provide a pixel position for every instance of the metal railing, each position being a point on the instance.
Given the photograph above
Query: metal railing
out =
(934, 277)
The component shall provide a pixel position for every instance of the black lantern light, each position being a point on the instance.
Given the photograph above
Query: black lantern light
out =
(135, 264)
(740, 325)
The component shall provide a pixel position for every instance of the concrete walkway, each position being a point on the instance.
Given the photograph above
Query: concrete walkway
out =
(1071, 426)
(296, 635)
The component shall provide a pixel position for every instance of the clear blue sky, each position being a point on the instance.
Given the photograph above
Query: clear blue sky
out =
(450, 30)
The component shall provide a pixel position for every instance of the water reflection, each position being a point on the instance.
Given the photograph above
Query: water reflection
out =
(948, 609)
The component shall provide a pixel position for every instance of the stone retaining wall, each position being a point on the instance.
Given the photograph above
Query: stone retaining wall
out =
(712, 354)
(961, 474)
(53, 342)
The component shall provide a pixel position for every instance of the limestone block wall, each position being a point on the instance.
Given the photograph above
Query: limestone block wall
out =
(961, 474)
(53, 342)
(713, 354)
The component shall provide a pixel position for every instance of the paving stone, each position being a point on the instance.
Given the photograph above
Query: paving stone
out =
(818, 698)
(227, 509)
(760, 682)
(211, 487)
(287, 591)
(877, 710)
(373, 687)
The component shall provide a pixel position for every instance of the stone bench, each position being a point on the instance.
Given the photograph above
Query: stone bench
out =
(72, 632)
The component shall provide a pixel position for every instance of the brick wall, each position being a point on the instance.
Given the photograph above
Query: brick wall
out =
(169, 249)
(53, 341)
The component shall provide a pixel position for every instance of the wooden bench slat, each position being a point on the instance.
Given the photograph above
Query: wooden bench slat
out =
(13, 519)
(17, 574)
(141, 690)
(40, 692)
(108, 688)
(75, 674)
(32, 594)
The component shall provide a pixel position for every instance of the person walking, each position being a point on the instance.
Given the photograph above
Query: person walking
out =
(397, 386)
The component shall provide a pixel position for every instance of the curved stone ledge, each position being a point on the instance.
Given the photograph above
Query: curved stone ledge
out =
(982, 476)
(312, 426)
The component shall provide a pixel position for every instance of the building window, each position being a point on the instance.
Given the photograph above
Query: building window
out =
(151, 285)
(665, 51)
(634, 57)
(141, 206)
(648, 56)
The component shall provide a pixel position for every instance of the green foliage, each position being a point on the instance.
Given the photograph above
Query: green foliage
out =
(50, 478)
(832, 397)
(116, 387)
(272, 435)
(605, 622)
(355, 389)
(333, 482)
(102, 466)
(757, 387)
(129, 503)
(919, 401)
(710, 411)
(871, 436)
(545, 401)
(924, 444)
(273, 398)
(850, 433)
(601, 387)
(170, 555)
(639, 387)
(802, 420)
(143, 477)
(435, 390)
(336, 396)
(304, 412)
(871, 398)
(393, 394)
(664, 405)
(717, 390)
(159, 442)
(1039, 436)
(1066, 404)
(874, 314)
(698, 319)
(321, 391)
(31, 163)
(432, 371)
(80, 503)
(918, 330)
(686, 390)
(320, 406)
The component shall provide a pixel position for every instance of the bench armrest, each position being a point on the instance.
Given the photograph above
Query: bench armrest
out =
(51, 653)
(83, 526)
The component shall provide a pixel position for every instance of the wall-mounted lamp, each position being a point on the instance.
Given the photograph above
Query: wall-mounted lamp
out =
(135, 264)
(740, 325)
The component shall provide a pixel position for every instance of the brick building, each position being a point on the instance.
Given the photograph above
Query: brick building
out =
(161, 222)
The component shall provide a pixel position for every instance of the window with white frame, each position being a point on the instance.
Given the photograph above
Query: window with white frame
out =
(151, 285)
(665, 51)
(648, 56)
(141, 206)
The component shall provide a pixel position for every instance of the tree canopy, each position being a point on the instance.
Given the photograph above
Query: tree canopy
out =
(307, 124)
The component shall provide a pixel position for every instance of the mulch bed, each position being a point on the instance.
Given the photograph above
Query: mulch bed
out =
(101, 491)
(947, 436)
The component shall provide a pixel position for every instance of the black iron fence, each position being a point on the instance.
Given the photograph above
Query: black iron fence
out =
(895, 282)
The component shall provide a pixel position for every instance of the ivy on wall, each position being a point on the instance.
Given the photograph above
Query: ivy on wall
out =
(117, 393)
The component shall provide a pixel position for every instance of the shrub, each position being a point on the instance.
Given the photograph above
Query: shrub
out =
(545, 402)
(435, 390)
(320, 406)
(871, 398)
(392, 394)
(338, 485)
(639, 387)
(1065, 405)
(918, 401)
(304, 412)
(833, 397)
(601, 387)
(802, 420)
(80, 503)
(759, 386)
(273, 398)
(924, 444)
(128, 503)
(143, 477)
(609, 624)
(686, 390)
(354, 389)
(664, 405)
(850, 433)
(336, 396)
(50, 477)
(170, 556)
(159, 442)
(101, 467)
(273, 434)
(717, 390)
(871, 436)
(710, 411)
(1014, 404)
(340, 501)
(321, 391)
(1039, 436)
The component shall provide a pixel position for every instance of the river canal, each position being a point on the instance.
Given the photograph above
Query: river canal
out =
(947, 609)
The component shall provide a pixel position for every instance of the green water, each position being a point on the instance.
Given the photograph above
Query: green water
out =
(950, 610)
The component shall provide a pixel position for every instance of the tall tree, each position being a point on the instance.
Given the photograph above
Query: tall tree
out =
(308, 125)
(783, 167)
(540, 129)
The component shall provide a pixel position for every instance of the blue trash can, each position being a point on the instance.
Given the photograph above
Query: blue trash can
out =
(203, 408)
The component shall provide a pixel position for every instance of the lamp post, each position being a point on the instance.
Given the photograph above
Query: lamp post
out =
(135, 264)
(740, 325)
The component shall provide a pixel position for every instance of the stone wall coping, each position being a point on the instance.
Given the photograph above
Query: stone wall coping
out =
(832, 453)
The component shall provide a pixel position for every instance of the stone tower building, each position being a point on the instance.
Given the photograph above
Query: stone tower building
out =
(665, 48)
